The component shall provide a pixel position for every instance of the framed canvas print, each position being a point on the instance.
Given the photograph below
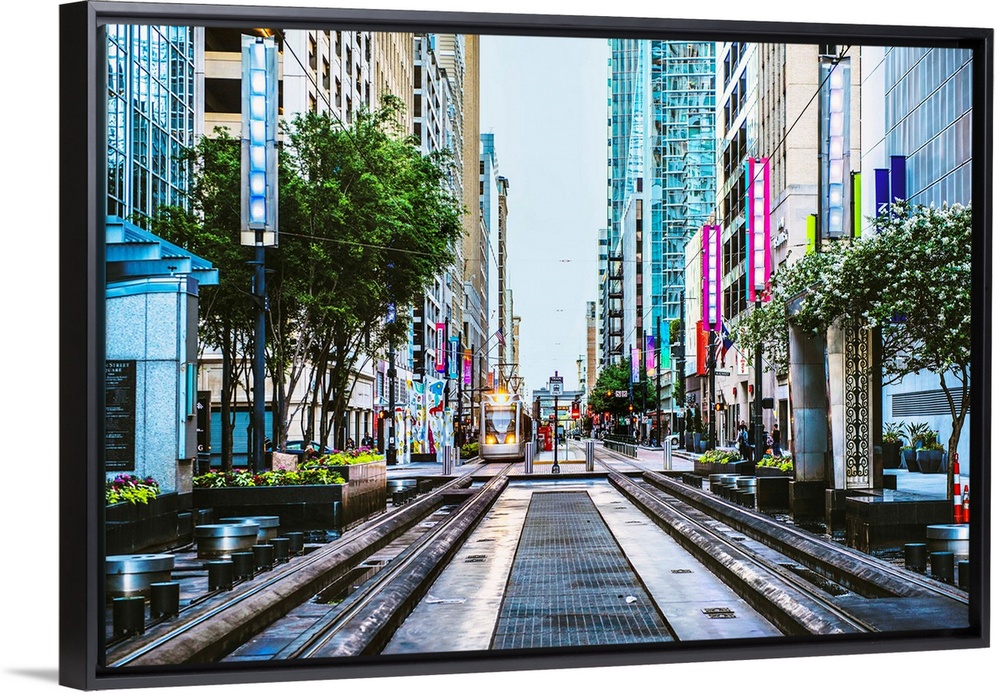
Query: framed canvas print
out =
(410, 342)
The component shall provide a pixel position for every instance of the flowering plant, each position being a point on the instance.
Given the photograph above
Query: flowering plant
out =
(720, 455)
(354, 456)
(131, 489)
(276, 478)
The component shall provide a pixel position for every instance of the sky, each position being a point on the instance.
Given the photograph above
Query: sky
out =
(545, 101)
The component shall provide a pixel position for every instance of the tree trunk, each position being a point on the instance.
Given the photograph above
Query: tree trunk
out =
(226, 417)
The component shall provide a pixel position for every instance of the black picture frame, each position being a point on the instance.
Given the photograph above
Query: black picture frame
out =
(81, 329)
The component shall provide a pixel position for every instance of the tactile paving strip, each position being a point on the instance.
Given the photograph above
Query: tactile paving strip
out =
(571, 585)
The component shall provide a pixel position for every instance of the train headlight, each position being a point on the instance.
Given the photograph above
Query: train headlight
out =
(510, 439)
(491, 439)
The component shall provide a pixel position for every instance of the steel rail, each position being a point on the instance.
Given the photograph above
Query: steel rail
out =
(373, 527)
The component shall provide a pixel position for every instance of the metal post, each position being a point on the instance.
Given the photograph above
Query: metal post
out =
(758, 366)
(555, 439)
(590, 456)
(668, 456)
(529, 457)
(260, 333)
(446, 461)
(711, 389)
(390, 449)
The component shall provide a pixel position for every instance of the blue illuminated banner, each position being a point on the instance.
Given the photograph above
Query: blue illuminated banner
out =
(259, 137)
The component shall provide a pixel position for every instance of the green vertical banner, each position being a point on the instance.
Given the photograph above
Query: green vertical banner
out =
(856, 202)
(665, 354)
(811, 234)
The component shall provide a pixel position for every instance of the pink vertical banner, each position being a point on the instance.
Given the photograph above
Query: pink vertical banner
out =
(711, 279)
(759, 225)
(440, 350)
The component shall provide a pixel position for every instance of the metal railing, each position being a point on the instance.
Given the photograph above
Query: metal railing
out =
(622, 444)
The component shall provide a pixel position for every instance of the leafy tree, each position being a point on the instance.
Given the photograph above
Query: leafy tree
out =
(374, 224)
(912, 280)
(210, 229)
(616, 377)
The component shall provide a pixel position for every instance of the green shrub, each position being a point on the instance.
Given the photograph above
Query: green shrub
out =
(783, 463)
(470, 450)
(720, 455)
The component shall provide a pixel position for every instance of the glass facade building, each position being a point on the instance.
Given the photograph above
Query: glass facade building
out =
(661, 148)
(929, 119)
(151, 118)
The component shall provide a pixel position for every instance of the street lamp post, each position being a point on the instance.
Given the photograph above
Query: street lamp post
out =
(758, 365)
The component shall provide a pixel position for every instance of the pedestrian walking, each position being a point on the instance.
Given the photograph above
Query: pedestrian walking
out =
(776, 441)
(743, 442)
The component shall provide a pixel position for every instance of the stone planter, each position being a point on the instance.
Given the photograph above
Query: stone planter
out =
(163, 522)
(308, 506)
(891, 458)
(765, 471)
(930, 461)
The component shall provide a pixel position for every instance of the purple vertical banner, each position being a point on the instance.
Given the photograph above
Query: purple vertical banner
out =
(881, 192)
(439, 351)
(897, 178)
(467, 368)
(650, 355)
(635, 365)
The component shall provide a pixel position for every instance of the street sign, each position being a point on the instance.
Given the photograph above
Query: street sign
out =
(621, 393)
(723, 372)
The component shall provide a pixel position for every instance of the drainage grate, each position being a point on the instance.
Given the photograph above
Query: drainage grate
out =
(738, 539)
(475, 558)
(680, 571)
(719, 613)
(487, 539)
(635, 522)
(570, 582)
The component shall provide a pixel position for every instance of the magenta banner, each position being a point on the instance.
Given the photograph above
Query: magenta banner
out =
(467, 367)
(650, 355)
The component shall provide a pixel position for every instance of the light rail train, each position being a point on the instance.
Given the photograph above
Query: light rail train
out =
(505, 428)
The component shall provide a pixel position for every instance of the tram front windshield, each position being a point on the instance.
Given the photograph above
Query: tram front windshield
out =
(500, 424)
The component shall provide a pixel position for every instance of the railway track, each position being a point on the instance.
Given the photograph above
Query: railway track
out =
(217, 623)
(804, 583)
(801, 583)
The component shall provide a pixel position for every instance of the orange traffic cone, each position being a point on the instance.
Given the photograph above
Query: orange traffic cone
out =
(965, 505)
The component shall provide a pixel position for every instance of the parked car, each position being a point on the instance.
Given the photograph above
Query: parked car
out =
(297, 446)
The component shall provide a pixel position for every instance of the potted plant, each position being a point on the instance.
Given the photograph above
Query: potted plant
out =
(892, 444)
(930, 457)
(915, 433)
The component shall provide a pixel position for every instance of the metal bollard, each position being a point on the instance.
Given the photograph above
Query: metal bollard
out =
(943, 566)
(963, 574)
(295, 543)
(243, 565)
(280, 549)
(164, 599)
(590, 456)
(915, 554)
(263, 557)
(668, 455)
(446, 461)
(128, 616)
(220, 574)
(529, 457)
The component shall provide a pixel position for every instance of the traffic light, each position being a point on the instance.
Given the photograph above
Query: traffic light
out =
(607, 393)
(719, 407)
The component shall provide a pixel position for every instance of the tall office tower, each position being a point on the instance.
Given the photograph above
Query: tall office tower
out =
(661, 178)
